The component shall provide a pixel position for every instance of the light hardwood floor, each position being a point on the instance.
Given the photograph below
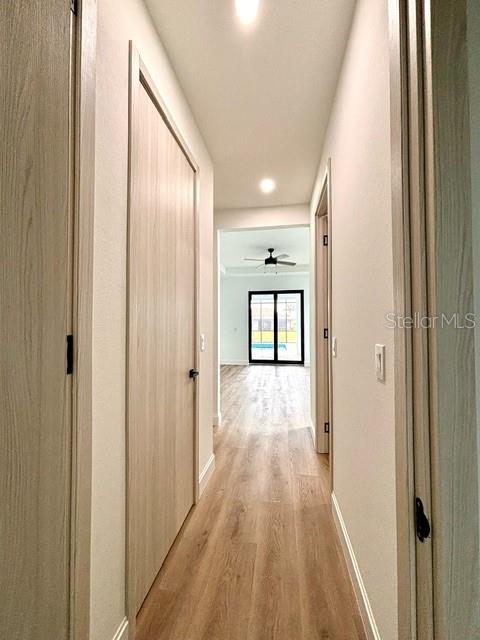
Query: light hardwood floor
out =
(258, 557)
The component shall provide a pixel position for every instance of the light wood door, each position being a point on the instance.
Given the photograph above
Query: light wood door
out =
(453, 162)
(35, 307)
(161, 339)
(447, 238)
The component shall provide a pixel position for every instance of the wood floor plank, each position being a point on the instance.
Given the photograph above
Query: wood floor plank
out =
(258, 558)
(223, 610)
(329, 608)
(276, 611)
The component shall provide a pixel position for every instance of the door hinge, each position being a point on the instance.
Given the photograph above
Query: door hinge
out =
(74, 7)
(326, 427)
(325, 241)
(69, 354)
(325, 334)
(422, 524)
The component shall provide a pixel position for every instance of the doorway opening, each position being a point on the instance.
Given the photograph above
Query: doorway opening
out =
(264, 317)
(276, 327)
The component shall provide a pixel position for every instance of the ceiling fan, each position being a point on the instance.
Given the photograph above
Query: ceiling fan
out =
(272, 260)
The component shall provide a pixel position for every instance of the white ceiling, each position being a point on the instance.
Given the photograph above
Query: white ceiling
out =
(261, 94)
(236, 245)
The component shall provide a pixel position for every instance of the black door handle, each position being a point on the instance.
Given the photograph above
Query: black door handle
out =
(193, 373)
(421, 521)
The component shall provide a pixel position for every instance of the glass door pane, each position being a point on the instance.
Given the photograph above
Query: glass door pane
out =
(262, 316)
(289, 327)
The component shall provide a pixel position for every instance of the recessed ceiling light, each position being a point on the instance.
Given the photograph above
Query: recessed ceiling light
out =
(247, 10)
(267, 185)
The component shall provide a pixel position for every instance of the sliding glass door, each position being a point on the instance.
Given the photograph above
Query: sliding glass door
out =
(276, 327)
(290, 326)
(262, 322)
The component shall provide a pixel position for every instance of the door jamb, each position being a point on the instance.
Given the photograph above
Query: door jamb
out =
(409, 272)
(414, 251)
(324, 209)
(83, 179)
(138, 72)
(447, 219)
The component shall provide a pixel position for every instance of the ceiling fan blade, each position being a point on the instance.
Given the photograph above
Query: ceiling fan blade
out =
(255, 259)
(261, 265)
(282, 256)
(290, 264)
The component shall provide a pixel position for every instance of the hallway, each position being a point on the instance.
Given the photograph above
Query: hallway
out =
(240, 320)
(258, 558)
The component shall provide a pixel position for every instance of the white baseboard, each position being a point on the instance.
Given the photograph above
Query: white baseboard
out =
(312, 432)
(122, 631)
(368, 619)
(217, 419)
(239, 363)
(206, 474)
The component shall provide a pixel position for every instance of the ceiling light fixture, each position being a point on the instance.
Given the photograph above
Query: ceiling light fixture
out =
(247, 10)
(267, 185)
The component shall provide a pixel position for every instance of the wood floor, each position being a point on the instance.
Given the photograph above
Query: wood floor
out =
(258, 557)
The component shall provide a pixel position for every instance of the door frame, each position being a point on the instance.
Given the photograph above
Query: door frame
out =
(138, 73)
(408, 292)
(436, 223)
(275, 293)
(323, 320)
(83, 180)
(417, 114)
(414, 270)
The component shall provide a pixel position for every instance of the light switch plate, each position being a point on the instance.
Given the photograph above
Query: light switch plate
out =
(334, 347)
(380, 362)
(202, 342)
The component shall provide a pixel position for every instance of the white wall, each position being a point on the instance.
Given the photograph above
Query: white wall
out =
(234, 311)
(358, 143)
(288, 215)
(118, 22)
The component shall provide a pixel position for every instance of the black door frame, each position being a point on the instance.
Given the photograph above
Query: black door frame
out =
(275, 360)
